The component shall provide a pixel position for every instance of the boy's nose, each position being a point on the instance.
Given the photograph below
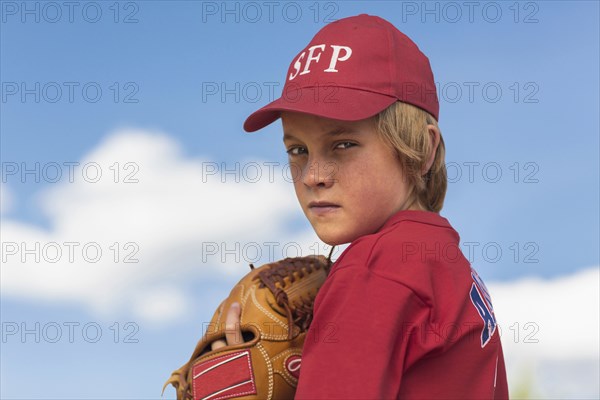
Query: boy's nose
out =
(319, 173)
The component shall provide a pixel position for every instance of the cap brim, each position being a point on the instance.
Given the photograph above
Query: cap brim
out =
(340, 103)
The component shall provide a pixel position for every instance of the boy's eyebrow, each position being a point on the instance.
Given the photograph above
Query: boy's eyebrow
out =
(342, 130)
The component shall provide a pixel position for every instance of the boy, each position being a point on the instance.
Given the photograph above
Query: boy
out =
(401, 314)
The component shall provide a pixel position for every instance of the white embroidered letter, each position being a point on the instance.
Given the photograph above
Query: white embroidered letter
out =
(335, 57)
(310, 57)
(297, 66)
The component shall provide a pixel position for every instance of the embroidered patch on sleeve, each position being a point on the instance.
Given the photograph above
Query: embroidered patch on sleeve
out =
(224, 377)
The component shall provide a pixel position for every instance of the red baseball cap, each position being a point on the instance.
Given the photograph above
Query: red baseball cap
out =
(353, 69)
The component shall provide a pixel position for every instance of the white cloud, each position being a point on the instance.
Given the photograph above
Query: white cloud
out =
(550, 334)
(563, 315)
(161, 304)
(6, 199)
(166, 220)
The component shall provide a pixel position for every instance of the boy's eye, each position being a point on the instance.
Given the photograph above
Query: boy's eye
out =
(299, 150)
(344, 145)
(296, 151)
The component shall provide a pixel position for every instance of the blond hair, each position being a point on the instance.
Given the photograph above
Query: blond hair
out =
(404, 127)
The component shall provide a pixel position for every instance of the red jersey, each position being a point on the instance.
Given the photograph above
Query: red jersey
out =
(403, 315)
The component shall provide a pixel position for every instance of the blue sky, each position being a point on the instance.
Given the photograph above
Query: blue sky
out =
(540, 132)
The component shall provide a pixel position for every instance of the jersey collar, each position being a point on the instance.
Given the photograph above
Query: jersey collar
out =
(426, 217)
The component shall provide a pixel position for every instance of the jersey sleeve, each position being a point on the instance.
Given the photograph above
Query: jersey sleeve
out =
(361, 338)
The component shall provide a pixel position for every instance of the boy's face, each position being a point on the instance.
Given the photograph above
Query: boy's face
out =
(347, 180)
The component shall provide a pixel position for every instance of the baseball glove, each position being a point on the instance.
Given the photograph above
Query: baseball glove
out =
(276, 311)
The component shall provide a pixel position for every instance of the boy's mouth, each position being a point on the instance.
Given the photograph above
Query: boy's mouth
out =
(322, 207)
(321, 204)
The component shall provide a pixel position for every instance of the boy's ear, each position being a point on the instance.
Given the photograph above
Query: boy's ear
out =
(434, 132)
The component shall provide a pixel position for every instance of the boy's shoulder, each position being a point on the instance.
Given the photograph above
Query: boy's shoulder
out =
(408, 236)
(417, 249)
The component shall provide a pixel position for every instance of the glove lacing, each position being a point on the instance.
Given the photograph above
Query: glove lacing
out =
(300, 312)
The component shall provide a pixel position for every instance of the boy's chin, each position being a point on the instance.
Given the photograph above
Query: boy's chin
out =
(333, 238)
